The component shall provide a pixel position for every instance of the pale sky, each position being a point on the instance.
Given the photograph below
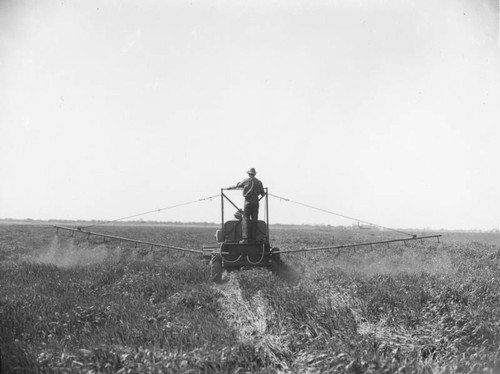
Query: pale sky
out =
(385, 110)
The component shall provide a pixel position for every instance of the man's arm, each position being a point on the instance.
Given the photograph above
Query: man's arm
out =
(262, 192)
(238, 185)
(242, 184)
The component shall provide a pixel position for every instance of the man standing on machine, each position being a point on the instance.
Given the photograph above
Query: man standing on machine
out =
(252, 189)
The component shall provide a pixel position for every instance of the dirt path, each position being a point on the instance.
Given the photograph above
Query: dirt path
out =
(249, 319)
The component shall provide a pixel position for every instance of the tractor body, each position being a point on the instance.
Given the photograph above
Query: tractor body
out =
(230, 254)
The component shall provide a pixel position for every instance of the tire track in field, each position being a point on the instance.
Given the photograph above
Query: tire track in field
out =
(249, 319)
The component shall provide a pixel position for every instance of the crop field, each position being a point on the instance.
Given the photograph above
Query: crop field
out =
(78, 304)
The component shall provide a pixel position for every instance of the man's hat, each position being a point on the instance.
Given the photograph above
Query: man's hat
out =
(251, 171)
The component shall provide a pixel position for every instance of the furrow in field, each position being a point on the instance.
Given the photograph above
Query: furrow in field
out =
(249, 319)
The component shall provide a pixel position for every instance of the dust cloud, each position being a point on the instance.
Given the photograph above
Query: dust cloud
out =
(406, 262)
(68, 254)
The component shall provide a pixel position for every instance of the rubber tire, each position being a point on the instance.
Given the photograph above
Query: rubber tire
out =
(275, 257)
(277, 267)
(216, 269)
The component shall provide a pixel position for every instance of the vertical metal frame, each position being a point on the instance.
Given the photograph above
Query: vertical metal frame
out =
(222, 196)
(267, 214)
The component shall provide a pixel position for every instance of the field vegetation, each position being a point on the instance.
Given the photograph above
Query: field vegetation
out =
(78, 304)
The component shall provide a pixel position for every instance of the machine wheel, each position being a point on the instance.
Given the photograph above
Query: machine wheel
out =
(276, 263)
(277, 267)
(216, 269)
(275, 257)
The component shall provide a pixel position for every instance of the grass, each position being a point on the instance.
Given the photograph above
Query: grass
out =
(72, 304)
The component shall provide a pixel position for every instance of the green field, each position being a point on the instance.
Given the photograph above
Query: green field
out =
(81, 305)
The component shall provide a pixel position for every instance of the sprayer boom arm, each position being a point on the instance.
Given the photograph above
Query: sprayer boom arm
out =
(127, 239)
(360, 244)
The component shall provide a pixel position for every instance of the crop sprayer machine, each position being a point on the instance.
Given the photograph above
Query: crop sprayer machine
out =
(229, 252)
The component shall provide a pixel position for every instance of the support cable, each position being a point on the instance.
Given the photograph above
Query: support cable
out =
(151, 211)
(341, 215)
